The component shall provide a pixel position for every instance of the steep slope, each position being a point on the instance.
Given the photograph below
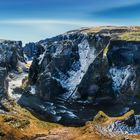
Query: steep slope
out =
(10, 53)
(63, 62)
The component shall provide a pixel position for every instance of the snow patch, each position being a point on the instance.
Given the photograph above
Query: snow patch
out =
(70, 82)
(41, 57)
(122, 76)
(33, 90)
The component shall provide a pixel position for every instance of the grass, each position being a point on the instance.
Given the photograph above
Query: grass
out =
(131, 33)
(25, 83)
(130, 36)
(19, 122)
(16, 122)
(101, 117)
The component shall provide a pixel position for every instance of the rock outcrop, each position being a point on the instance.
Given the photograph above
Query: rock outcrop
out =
(73, 65)
(124, 61)
(126, 125)
(11, 53)
(92, 67)
(73, 76)
(3, 82)
(62, 62)
(30, 50)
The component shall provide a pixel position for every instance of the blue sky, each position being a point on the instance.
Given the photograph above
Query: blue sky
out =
(32, 20)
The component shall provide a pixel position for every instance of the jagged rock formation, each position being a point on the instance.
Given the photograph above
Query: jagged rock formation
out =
(62, 62)
(30, 50)
(11, 53)
(72, 77)
(3, 83)
(73, 63)
(124, 61)
(80, 68)
(126, 125)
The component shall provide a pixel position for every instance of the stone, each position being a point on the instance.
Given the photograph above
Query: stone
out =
(10, 53)
(30, 50)
(62, 63)
(85, 64)
(130, 121)
(3, 82)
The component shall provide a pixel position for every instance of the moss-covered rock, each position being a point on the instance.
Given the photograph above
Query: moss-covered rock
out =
(16, 122)
(101, 117)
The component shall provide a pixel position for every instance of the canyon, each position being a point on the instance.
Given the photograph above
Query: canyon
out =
(61, 86)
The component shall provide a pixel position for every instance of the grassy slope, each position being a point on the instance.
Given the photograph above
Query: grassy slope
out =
(21, 124)
(131, 33)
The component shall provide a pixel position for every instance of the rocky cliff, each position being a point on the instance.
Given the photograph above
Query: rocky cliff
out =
(84, 71)
(11, 53)
(75, 64)
(62, 62)
(30, 50)
(72, 77)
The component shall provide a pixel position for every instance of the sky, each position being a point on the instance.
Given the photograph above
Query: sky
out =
(34, 20)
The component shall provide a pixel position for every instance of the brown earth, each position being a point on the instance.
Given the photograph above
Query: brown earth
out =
(20, 124)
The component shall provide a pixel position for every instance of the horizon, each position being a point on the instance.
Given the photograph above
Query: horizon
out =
(31, 21)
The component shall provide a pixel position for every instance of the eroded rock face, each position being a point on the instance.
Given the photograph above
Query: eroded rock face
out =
(10, 53)
(63, 61)
(76, 74)
(128, 125)
(124, 61)
(30, 50)
(3, 82)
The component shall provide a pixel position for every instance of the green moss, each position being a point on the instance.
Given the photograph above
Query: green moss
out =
(101, 117)
(48, 125)
(15, 122)
(120, 138)
(66, 43)
(19, 70)
(130, 36)
(24, 83)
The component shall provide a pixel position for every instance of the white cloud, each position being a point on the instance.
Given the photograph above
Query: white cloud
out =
(37, 29)
(50, 21)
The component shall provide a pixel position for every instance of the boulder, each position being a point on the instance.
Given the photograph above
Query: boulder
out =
(30, 50)
(130, 121)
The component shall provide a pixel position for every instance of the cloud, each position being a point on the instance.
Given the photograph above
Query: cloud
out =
(78, 9)
(34, 30)
(119, 13)
(79, 23)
